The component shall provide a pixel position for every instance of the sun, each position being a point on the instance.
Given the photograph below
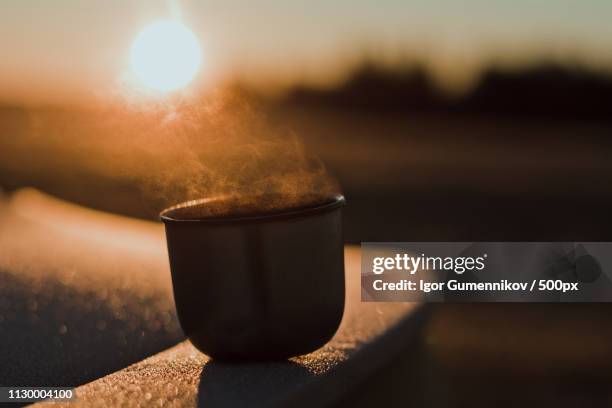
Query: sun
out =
(165, 56)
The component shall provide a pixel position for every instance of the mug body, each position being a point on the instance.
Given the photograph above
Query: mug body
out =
(259, 287)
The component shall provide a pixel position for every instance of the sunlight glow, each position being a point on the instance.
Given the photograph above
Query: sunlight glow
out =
(165, 56)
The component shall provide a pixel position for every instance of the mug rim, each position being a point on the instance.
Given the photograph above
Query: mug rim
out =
(334, 201)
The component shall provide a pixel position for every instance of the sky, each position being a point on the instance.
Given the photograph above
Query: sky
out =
(67, 50)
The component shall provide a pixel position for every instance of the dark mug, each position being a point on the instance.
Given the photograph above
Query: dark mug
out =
(259, 287)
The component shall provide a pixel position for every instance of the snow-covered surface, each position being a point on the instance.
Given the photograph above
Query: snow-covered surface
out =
(82, 293)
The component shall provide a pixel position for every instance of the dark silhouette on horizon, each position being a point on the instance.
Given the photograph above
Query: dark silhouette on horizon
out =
(545, 90)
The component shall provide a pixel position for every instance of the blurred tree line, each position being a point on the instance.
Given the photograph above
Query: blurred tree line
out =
(546, 90)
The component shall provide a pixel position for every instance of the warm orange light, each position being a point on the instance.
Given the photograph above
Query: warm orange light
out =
(165, 56)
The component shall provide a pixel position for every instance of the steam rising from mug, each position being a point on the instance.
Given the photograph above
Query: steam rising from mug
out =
(224, 148)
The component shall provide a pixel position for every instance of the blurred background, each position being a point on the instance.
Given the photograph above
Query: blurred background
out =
(441, 120)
